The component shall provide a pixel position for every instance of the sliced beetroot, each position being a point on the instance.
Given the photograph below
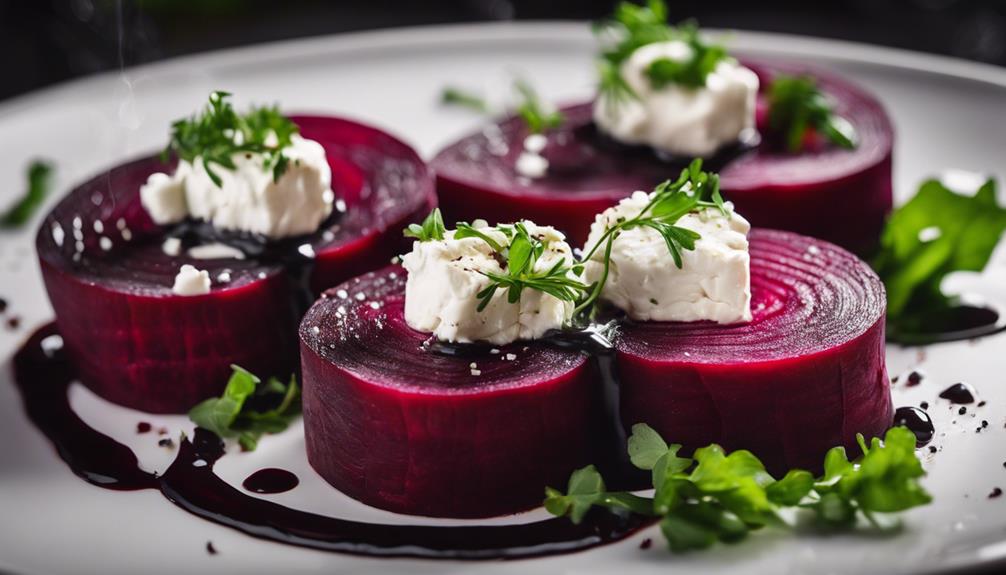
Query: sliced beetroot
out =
(830, 193)
(138, 344)
(806, 374)
(403, 428)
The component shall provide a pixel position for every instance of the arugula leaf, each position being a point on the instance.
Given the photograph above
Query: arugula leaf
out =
(39, 184)
(796, 104)
(249, 408)
(720, 496)
(935, 233)
(431, 229)
(218, 133)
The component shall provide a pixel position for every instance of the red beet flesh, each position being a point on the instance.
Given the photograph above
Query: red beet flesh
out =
(411, 431)
(806, 374)
(138, 344)
(838, 195)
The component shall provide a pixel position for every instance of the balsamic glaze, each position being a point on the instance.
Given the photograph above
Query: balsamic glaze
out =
(918, 422)
(961, 321)
(271, 480)
(43, 377)
(959, 393)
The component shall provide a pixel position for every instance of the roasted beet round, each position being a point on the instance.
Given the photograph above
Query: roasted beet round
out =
(806, 374)
(138, 344)
(839, 195)
(414, 431)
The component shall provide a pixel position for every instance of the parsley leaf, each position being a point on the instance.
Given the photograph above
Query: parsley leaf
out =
(39, 184)
(218, 133)
(249, 408)
(432, 228)
(796, 105)
(720, 496)
(935, 233)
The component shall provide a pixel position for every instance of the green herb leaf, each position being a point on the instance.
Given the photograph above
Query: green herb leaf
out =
(249, 408)
(796, 105)
(537, 115)
(722, 496)
(451, 96)
(431, 229)
(935, 233)
(218, 133)
(694, 190)
(691, 73)
(39, 184)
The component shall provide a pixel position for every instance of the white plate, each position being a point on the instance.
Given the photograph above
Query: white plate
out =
(948, 114)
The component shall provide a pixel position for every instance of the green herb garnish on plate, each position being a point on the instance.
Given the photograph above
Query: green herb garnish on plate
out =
(218, 133)
(39, 184)
(935, 233)
(796, 105)
(537, 115)
(249, 408)
(719, 496)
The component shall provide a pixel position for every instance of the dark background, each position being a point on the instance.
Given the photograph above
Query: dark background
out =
(46, 41)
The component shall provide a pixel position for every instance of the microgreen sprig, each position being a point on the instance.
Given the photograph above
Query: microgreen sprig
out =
(796, 104)
(249, 408)
(39, 183)
(719, 496)
(431, 229)
(218, 133)
(633, 26)
(536, 114)
(693, 190)
(522, 255)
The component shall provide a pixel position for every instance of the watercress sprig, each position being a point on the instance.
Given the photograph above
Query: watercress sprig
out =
(693, 190)
(796, 104)
(719, 496)
(218, 133)
(249, 408)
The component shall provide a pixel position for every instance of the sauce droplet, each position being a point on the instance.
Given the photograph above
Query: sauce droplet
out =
(959, 393)
(271, 480)
(918, 422)
(143, 427)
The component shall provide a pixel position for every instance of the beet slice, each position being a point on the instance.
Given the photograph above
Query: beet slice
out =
(406, 429)
(806, 374)
(138, 344)
(839, 195)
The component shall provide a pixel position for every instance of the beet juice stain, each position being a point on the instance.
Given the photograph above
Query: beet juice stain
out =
(43, 376)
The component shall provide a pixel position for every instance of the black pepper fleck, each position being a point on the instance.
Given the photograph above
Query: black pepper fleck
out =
(13, 322)
(914, 378)
(932, 449)
(210, 548)
(924, 405)
(3, 305)
(996, 492)
(646, 543)
(962, 410)
(981, 403)
(166, 442)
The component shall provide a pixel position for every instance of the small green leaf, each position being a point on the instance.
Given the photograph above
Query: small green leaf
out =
(645, 446)
(684, 535)
(452, 96)
(796, 104)
(432, 228)
(791, 489)
(39, 184)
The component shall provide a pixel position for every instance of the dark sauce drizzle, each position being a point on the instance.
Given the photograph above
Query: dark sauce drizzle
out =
(271, 480)
(918, 422)
(42, 377)
(959, 393)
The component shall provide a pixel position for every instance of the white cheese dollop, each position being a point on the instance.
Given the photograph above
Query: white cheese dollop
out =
(248, 199)
(445, 276)
(191, 281)
(714, 282)
(677, 119)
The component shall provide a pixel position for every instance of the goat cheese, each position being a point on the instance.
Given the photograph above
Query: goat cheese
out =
(446, 275)
(248, 199)
(676, 119)
(713, 283)
(191, 281)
